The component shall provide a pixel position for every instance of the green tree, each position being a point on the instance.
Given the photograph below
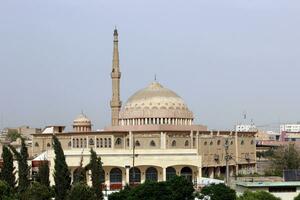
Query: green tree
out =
(95, 166)
(13, 135)
(23, 168)
(62, 177)
(80, 173)
(43, 174)
(5, 190)
(297, 197)
(178, 188)
(81, 191)
(7, 172)
(285, 157)
(219, 192)
(37, 191)
(259, 195)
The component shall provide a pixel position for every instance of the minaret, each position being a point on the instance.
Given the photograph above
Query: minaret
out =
(115, 103)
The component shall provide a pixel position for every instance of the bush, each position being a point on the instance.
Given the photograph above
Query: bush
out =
(38, 191)
(81, 191)
(219, 192)
(177, 188)
(259, 195)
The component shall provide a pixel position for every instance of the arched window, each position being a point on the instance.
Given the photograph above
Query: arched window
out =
(101, 142)
(81, 143)
(91, 142)
(97, 142)
(186, 144)
(211, 143)
(170, 172)
(74, 141)
(187, 173)
(134, 176)
(152, 143)
(84, 142)
(109, 142)
(77, 143)
(36, 144)
(205, 143)
(219, 142)
(127, 140)
(137, 143)
(151, 174)
(69, 144)
(105, 142)
(115, 175)
(118, 141)
(48, 145)
(173, 143)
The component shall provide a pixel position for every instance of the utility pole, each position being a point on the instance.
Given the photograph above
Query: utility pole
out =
(226, 145)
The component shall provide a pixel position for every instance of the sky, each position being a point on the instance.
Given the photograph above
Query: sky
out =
(224, 58)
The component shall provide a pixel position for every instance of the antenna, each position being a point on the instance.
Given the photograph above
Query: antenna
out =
(154, 77)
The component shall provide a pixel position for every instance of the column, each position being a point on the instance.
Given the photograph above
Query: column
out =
(192, 139)
(127, 175)
(162, 140)
(199, 175)
(164, 174)
(112, 141)
(130, 140)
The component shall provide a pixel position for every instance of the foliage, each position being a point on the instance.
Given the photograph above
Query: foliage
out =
(23, 168)
(285, 157)
(13, 135)
(62, 177)
(7, 172)
(81, 191)
(80, 173)
(177, 188)
(37, 191)
(4, 190)
(297, 197)
(43, 174)
(219, 192)
(95, 166)
(259, 195)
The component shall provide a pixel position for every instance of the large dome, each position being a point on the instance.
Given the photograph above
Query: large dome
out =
(155, 105)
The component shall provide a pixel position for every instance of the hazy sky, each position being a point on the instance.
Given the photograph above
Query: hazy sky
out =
(221, 57)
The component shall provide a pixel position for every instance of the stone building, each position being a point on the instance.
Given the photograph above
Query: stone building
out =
(152, 136)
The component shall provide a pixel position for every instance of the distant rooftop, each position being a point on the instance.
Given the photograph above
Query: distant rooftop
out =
(268, 184)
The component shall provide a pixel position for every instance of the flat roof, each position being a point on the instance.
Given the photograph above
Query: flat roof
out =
(268, 184)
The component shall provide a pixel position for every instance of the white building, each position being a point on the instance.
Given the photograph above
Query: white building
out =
(290, 127)
(245, 127)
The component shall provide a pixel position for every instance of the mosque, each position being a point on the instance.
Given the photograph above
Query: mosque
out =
(151, 137)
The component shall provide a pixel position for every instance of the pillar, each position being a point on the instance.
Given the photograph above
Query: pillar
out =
(127, 175)
(199, 175)
(164, 174)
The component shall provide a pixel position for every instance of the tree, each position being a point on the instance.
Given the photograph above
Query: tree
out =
(37, 191)
(13, 135)
(23, 168)
(62, 177)
(43, 174)
(7, 172)
(297, 197)
(285, 157)
(80, 173)
(178, 188)
(219, 192)
(95, 166)
(259, 195)
(81, 191)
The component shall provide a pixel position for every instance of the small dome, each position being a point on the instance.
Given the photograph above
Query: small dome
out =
(155, 101)
(82, 119)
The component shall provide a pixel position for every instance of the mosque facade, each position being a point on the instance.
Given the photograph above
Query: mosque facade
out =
(151, 137)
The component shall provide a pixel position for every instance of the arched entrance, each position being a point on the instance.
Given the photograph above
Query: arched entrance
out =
(151, 174)
(187, 173)
(170, 172)
(115, 179)
(134, 176)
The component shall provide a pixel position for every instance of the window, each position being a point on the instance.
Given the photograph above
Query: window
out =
(105, 142)
(231, 142)
(205, 143)
(137, 143)
(211, 143)
(173, 143)
(84, 142)
(36, 144)
(91, 142)
(152, 143)
(77, 143)
(97, 142)
(242, 142)
(252, 142)
(127, 140)
(186, 144)
(48, 145)
(74, 141)
(118, 141)
(109, 142)
(69, 144)
(81, 143)
(219, 142)
(101, 142)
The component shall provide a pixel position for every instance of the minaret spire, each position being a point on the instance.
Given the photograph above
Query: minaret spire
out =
(115, 103)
